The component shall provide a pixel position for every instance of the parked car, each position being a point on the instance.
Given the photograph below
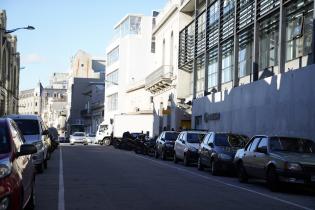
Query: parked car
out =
(35, 132)
(78, 138)
(91, 138)
(217, 151)
(187, 145)
(164, 147)
(277, 159)
(17, 177)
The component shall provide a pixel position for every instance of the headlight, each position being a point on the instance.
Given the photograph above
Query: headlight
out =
(224, 157)
(39, 145)
(5, 170)
(293, 167)
(4, 203)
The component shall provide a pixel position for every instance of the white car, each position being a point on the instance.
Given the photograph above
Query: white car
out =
(187, 145)
(78, 138)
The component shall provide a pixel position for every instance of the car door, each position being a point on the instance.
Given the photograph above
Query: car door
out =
(248, 158)
(23, 163)
(181, 146)
(202, 149)
(159, 143)
(260, 159)
(208, 149)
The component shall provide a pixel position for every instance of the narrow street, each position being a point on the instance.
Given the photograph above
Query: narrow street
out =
(96, 177)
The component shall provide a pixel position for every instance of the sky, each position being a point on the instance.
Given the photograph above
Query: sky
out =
(62, 28)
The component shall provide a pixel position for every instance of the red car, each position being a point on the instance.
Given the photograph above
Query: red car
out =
(17, 173)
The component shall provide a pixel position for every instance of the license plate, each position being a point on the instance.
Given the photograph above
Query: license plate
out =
(313, 178)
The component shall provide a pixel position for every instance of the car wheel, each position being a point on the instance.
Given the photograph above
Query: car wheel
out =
(214, 168)
(45, 164)
(107, 142)
(200, 166)
(241, 173)
(175, 160)
(156, 154)
(30, 205)
(163, 155)
(40, 168)
(272, 179)
(186, 160)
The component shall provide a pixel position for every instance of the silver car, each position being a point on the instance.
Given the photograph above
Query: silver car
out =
(277, 159)
(35, 132)
(187, 145)
(78, 138)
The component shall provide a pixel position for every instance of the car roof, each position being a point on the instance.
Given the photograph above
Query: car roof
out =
(24, 117)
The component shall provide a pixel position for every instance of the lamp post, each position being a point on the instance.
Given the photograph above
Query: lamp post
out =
(16, 29)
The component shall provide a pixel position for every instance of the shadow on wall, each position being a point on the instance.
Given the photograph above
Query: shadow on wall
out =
(278, 105)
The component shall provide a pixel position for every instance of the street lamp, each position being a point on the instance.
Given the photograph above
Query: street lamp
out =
(13, 30)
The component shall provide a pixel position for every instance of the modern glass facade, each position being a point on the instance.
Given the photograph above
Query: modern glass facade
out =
(232, 41)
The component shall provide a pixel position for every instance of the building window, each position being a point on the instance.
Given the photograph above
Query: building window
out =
(214, 13)
(227, 61)
(113, 56)
(228, 5)
(213, 68)
(200, 74)
(245, 53)
(112, 102)
(298, 30)
(269, 42)
(112, 78)
(153, 44)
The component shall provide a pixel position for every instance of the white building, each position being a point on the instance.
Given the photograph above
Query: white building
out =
(170, 87)
(129, 60)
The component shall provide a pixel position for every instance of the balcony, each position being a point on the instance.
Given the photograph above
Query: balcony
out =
(160, 79)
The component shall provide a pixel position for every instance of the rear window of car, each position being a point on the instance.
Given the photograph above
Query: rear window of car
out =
(28, 127)
(195, 137)
(4, 139)
(171, 136)
(229, 140)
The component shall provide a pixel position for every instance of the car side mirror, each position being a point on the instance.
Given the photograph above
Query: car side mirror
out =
(45, 132)
(183, 141)
(262, 150)
(27, 149)
(162, 139)
(211, 145)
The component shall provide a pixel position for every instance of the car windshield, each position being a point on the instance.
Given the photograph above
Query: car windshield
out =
(195, 137)
(135, 135)
(92, 135)
(171, 136)
(78, 134)
(4, 140)
(229, 140)
(297, 145)
(28, 127)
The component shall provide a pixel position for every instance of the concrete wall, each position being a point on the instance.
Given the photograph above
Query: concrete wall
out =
(279, 105)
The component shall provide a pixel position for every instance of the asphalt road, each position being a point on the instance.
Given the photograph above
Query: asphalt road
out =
(99, 177)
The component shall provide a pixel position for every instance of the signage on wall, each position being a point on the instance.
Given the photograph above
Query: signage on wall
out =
(211, 117)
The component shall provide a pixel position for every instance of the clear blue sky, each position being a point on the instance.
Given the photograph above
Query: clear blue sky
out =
(63, 27)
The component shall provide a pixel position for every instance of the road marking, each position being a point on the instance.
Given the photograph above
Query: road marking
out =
(61, 193)
(227, 184)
